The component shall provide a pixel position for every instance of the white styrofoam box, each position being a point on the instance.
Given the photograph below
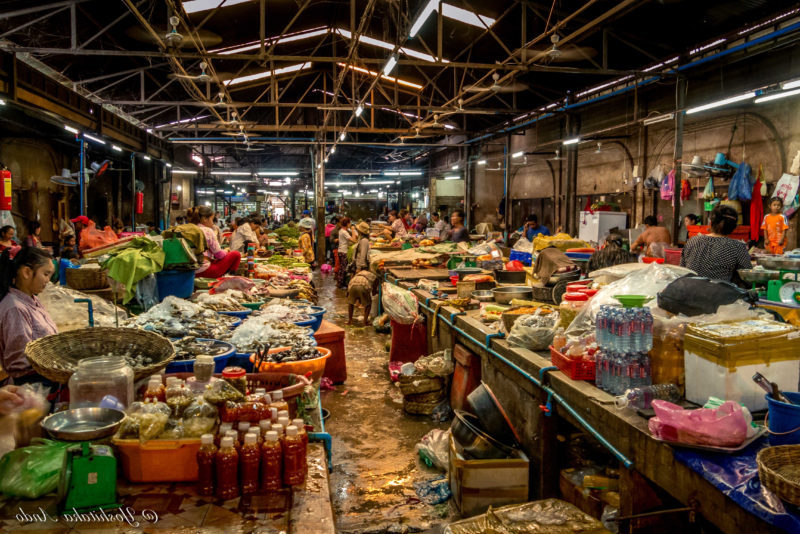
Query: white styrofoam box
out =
(705, 378)
(594, 227)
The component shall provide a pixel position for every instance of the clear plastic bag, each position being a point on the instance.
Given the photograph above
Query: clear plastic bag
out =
(725, 426)
(537, 517)
(220, 392)
(535, 331)
(434, 448)
(523, 245)
(199, 418)
(21, 422)
(437, 364)
(173, 429)
(399, 303)
(33, 471)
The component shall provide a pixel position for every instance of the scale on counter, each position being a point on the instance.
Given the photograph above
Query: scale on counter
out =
(785, 287)
(88, 478)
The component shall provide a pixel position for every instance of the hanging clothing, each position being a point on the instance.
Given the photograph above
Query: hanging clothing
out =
(756, 208)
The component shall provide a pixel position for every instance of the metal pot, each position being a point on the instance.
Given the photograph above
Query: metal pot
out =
(504, 295)
(509, 277)
(484, 295)
(491, 415)
(758, 275)
(468, 434)
(467, 271)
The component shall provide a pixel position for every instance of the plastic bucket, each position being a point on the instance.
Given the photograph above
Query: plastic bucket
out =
(176, 283)
(314, 366)
(783, 420)
(187, 366)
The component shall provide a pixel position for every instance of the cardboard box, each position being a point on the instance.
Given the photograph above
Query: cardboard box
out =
(478, 484)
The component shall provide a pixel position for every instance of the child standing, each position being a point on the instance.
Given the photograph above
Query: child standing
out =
(775, 227)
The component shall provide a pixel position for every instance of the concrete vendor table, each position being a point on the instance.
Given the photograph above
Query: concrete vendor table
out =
(656, 479)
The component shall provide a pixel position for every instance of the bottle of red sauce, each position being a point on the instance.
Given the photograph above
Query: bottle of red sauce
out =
(249, 463)
(205, 465)
(271, 462)
(294, 465)
(227, 470)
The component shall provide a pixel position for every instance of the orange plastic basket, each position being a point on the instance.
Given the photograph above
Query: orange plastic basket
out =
(575, 369)
(158, 460)
(316, 366)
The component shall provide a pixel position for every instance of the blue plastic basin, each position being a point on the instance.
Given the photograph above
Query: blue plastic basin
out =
(220, 361)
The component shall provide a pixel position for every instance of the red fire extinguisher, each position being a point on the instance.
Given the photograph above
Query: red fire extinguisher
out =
(5, 191)
(139, 203)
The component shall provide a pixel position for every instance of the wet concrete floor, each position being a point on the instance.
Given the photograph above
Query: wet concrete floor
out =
(375, 462)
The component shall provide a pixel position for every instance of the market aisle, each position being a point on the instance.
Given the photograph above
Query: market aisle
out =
(374, 457)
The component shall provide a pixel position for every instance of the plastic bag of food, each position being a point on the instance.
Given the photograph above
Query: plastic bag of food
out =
(399, 303)
(21, 422)
(151, 425)
(220, 392)
(33, 471)
(436, 364)
(523, 245)
(199, 418)
(434, 448)
(535, 331)
(173, 429)
(725, 426)
(91, 237)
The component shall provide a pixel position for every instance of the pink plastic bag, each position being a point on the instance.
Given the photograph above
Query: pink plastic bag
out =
(721, 427)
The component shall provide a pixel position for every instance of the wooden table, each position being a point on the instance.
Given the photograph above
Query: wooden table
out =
(657, 480)
(419, 274)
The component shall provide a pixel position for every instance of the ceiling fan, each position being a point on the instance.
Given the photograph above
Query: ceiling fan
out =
(460, 109)
(435, 125)
(496, 87)
(202, 77)
(70, 179)
(172, 38)
(416, 135)
(555, 54)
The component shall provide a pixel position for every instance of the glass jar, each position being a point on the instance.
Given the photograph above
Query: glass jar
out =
(101, 380)
(236, 376)
(571, 305)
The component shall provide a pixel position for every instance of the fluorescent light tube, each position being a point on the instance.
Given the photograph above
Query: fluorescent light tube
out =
(146, 157)
(518, 154)
(219, 190)
(389, 65)
(276, 173)
(465, 16)
(333, 149)
(391, 173)
(429, 8)
(452, 177)
(237, 181)
(776, 96)
(71, 129)
(388, 78)
(195, 6)
(720, 103)
(378, 182)
(169, 165)
(410, 173)
(455, 167)
(228, 192)
(573, 141)
(267, 74)
(658, 118)
(181, 171)
(115, 147)
(359, 110)
(254, 45)
(342, 137)
(790, 85)
(285, 192)
(95, 139)
(231, 173)
(481, 162)
(2, 102)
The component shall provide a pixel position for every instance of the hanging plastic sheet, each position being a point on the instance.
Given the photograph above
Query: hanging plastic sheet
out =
(737, 477)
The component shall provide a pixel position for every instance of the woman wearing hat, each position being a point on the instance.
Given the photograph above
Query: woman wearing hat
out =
(305, 241)
(361, 258)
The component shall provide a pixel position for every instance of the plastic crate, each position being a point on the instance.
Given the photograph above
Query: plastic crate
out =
(673, 256)
(158, 460)
(740, 233)
(525, 257)
(575, 369)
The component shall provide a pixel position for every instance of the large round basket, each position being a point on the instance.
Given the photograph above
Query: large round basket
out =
(56, 357)
(87, 278)
(779, 471)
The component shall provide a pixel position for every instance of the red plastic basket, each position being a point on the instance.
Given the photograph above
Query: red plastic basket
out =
(575, 369)
(673, 255)
(741, 233)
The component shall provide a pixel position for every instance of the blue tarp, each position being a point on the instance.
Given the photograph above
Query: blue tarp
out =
(737, 477)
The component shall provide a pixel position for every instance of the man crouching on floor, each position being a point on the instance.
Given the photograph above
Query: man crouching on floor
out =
(359, 292)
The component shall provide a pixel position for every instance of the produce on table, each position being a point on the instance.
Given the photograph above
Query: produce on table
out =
(478, 278)
(221, 301)
(189, 348)
(175, 317)
(289, 314)
(426, 243)
(256, 333)
(288, 231)
(421, 263)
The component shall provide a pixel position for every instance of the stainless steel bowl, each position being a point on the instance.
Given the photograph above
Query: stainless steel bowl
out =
(779, 262)
(83, 424)
(504, 295)
(467, 432)
(484, 295)
(758, 275)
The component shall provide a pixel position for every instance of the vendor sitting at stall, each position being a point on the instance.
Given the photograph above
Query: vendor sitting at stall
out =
(216, 262)
(306, 244)
(359, 292)
(611, 254)
(653, 234)
(715, 255)
(396, 224)
(460, 232)
(532, 228)
(244, 234)
(23, 318)
(7, 239)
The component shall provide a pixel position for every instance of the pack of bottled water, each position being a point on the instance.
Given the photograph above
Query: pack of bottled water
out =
(625, 337)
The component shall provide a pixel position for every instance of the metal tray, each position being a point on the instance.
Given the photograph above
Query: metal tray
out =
(83, 424)
(758, 275)
(710, 448)
(779, 262)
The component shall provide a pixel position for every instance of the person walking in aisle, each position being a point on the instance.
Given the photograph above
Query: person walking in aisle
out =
(345, 240)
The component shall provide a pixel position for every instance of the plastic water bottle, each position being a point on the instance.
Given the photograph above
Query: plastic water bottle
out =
(612, 325)
(647, 331)
(616, 374)
(601, 326)
(636, 330)
(644, 369)
(641, 398)
(599, 356)
(624, 331)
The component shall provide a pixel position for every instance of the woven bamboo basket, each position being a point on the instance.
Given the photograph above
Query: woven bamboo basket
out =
(87, 278)
(56, 357)
(779, 471)
(416, 384)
